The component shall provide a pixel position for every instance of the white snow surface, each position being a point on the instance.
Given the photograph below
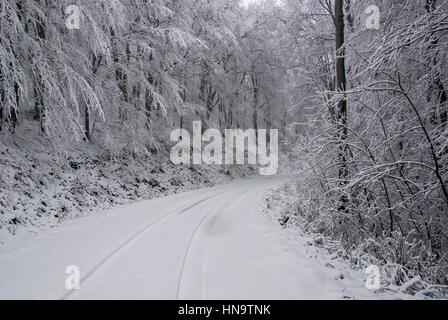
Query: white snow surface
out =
(213, 243)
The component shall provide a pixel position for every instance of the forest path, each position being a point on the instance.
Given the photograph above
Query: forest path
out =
(212, 243)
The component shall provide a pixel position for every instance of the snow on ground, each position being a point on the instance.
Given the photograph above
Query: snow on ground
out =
(279, 208)
(213, 243)
(39, 190)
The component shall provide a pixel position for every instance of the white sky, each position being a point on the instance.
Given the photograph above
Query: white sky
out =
(247, 2)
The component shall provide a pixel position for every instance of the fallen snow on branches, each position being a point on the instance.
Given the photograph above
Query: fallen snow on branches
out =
(301, 219)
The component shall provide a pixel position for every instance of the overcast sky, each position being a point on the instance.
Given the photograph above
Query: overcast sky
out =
(247, 2)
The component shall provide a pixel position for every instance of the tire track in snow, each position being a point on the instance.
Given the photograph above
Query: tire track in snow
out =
(128, 242)
(207, 250)
(189, 249)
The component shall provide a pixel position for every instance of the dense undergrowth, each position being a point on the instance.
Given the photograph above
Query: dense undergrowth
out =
(404, 267)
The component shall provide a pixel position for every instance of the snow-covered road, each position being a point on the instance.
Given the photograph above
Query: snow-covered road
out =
(212, 243)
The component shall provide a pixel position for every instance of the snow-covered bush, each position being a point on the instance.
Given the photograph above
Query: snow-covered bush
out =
(375, 178)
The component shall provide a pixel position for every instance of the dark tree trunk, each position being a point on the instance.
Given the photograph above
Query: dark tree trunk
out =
(438, 86)
(341, 86)
(256, 91)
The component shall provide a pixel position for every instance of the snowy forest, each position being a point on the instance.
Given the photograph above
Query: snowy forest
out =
(109, 94)
(357, 92)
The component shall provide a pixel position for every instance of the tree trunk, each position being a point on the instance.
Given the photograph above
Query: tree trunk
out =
(341, 85)
(256, 91)
(437, 86)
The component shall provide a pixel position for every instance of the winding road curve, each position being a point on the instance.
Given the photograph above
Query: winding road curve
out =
(212, 243)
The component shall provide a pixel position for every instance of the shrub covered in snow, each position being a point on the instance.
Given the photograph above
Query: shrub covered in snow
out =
(404, 263)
